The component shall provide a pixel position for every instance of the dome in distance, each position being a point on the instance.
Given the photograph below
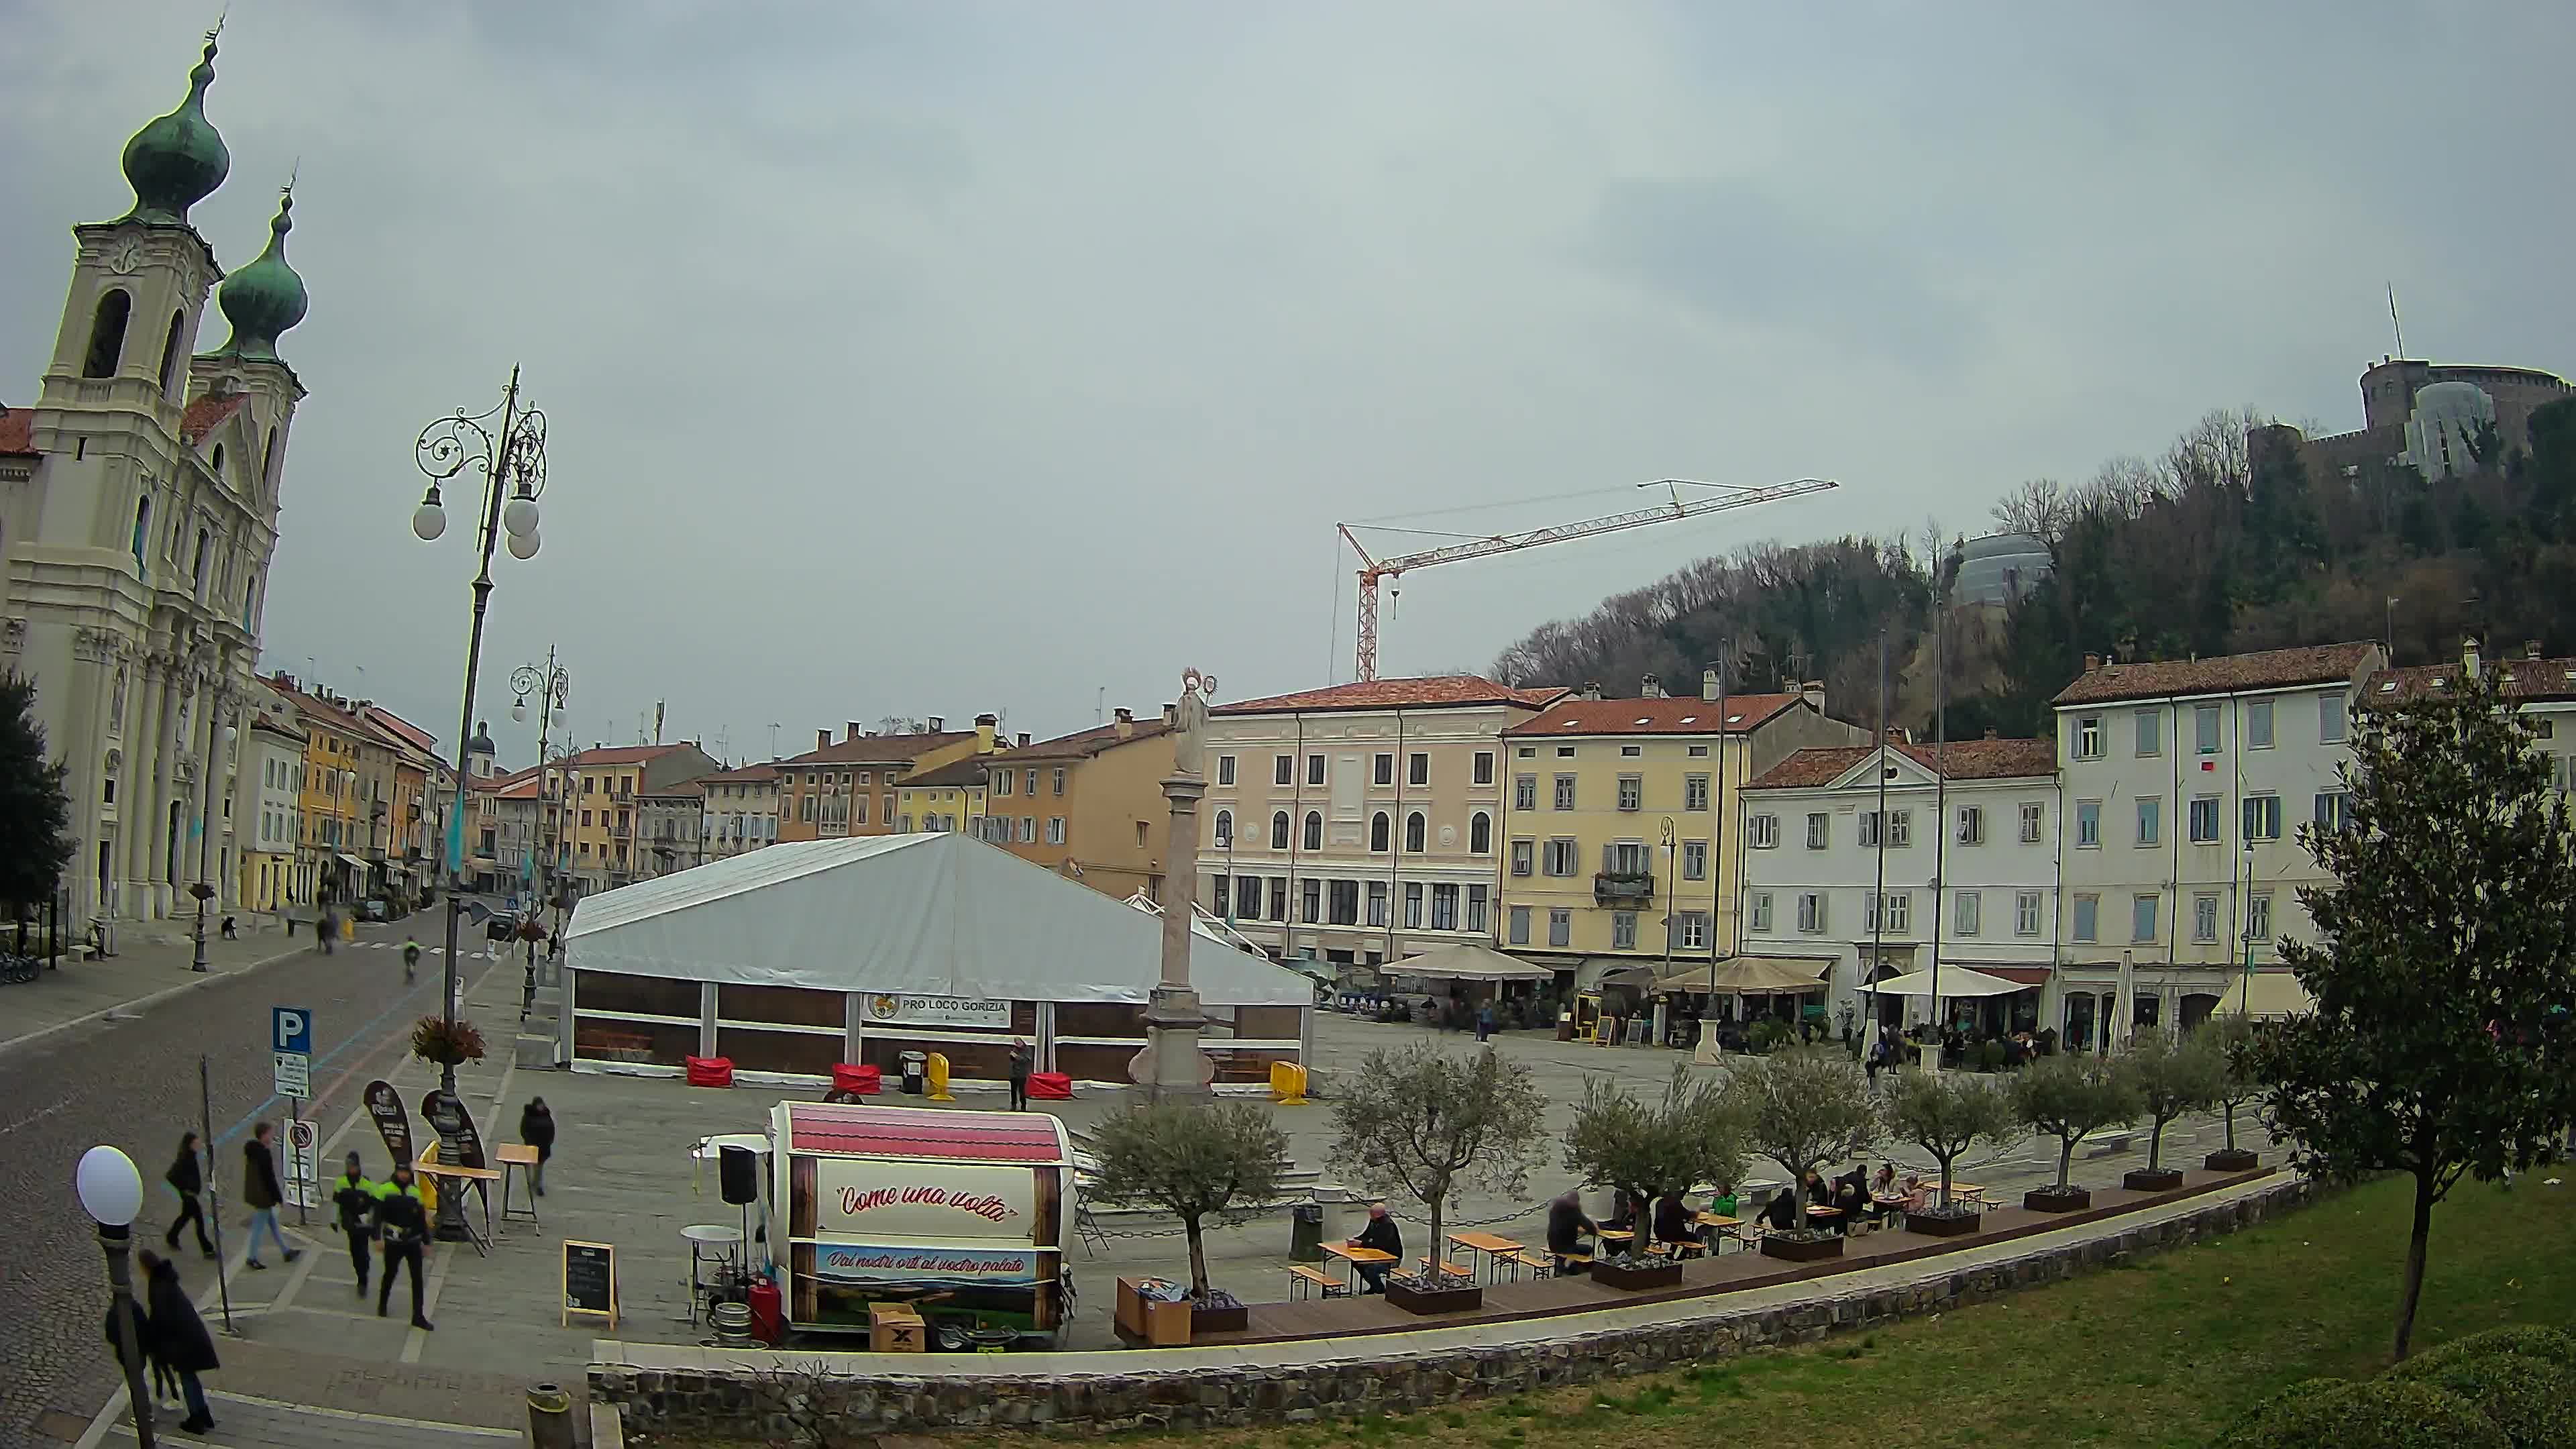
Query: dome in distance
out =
(264, 299)
(177, 160)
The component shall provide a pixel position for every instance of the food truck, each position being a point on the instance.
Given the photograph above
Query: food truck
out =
(959, 1215)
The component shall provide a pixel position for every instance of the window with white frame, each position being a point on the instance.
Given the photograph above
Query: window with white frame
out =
(1560, 927)
(1484, 772)
(1525, 792)
(1695, 792)
(1900, 828)
(2088, 737)
(1417, 769)
(1890, 911)
(2088, 916)
(2204, 917)
(1377, 903)
(1382, 768)
(2204, 729)
(1811, 912)
(1314, 832)
(1972, 825)
(1562, 856)
(1055, 830)
(1415, 832)
(2151, 730)
(1820, 830)
(2258, 916)
(2330, 721)
(1523, 851)
(1632, 792)
(1758, 906)
(1224, 829)
(1279, 830)
(1693, 935)
(1444, 907)
(1694, 860)
(1380, 827)
(2034, 820)
(1565, 792)
(1028, 829)
(1762, 832)
(1967, 913)
(2142, 917)
(1519, 926)
(1869, 829)
(2333, 809)
(1225, 769)
(2026, 913)
(2258, 724)
(1477, 898)
(1314, 769)
(1623, 930)
(2151, 819)
(1283, 770)
(2262, 817)
(2088, 824)
(1480, 833)
(2204, 820)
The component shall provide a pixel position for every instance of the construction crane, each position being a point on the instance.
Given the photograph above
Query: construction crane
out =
(1373, 570)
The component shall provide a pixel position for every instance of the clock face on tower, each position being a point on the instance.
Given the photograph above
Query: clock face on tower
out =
(125, 256)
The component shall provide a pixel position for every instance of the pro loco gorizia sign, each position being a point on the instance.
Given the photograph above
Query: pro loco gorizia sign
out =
(956, 1011)
(927, 1201)
(858, 1263)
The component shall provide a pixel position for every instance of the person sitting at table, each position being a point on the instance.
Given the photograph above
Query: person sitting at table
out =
(1781, 1213)
(1566, 1228)
(1884, 1185)
(1673, 1225)
(1851, 1193)
(1725, 1202)
(1381, 1235)
(1623, 1213)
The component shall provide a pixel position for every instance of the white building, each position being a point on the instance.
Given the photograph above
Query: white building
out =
(1356, 824)
(1979, 891)
(2185, 783)
(138, 514)
(741, 811)
(268, 808)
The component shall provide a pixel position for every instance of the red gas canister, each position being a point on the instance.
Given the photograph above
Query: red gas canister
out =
(768, 1324)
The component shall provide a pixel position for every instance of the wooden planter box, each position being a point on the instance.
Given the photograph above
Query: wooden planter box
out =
(1652, 1275)
(1932, 1226)
(1236, 1319)
(2159, 1179)
(1792, 1250)
(1434, 1300)
(2050, 1200)
(2231, 1159)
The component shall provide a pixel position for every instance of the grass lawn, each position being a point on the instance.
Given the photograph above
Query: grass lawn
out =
(2162, 1352)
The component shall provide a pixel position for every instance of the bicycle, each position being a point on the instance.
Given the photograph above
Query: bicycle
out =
(16, 970)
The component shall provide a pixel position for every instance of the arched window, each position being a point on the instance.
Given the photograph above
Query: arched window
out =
(142, 527)
(1480, 833)
(1224, 828)
(197, 573)
(216, 464)
(1279, 830)
(268, 460)
(1413, 832)
(1378, 831)
(107, 334)
(1314, 830)
(170, 352)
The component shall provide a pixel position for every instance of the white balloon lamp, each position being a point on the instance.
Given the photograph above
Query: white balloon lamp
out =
(111, 1191)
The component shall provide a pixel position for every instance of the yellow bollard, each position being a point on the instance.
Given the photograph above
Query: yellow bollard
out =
(428, 1188)
(934, 1074)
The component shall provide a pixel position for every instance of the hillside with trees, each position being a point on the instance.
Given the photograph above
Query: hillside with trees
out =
(2220, 544)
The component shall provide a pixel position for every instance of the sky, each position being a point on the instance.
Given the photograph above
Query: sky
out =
(926, 359)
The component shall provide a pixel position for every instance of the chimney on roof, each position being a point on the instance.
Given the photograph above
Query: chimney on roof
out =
(2530, 648)
(2092, 663)
(987, 727)
(1592, 689)
(822, 739)
(1021, 739)
(938, 724)
(1813, 692)
(1650, 687)
(1123, 723)
(1708, 686)
(2469, 656)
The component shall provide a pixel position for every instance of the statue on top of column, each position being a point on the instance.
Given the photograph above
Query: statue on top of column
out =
(1189, 722)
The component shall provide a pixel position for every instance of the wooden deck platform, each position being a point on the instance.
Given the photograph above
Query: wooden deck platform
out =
(1701, 1277)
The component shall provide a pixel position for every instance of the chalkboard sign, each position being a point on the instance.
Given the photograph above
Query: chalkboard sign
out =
(589, 1280)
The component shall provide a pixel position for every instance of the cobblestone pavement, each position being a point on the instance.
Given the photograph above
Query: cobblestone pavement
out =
(133, 1083)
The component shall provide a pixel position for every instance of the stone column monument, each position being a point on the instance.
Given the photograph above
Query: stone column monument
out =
(1171, 1065)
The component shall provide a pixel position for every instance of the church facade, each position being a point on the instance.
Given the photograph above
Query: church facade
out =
(138, 518)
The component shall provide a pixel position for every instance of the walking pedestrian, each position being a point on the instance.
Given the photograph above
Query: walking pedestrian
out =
(411, 957)
(229, 933)
(537, 1129)
(325, 929)
(1021, 1062)
(355, 1197)
(402, 1221)
(1485, 1022)
(187, 1178)
(131, 1341)
(260, 1191)
(179, 1338)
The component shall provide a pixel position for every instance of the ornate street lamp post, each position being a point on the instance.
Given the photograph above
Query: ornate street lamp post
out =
(111, 1192)
(551, 687)
(508, 446)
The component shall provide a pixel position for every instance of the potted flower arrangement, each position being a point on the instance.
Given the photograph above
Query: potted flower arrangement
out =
(1633, 1271)
(442, 1044)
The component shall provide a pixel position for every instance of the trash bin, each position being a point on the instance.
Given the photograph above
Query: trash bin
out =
(915, 1071)
(1565, 1026)
(1306, 1232)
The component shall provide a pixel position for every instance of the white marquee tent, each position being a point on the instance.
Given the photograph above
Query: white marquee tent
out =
(934, 915)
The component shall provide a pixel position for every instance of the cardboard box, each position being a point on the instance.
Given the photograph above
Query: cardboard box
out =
(895, 1328)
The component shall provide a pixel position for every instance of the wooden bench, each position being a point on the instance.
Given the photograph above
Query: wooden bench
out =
(1454, 1272)
(1303, 1280)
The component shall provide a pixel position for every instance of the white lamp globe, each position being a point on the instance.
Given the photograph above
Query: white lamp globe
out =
(523, 545)
(519, 710)
(428, 521)
(519, 515)
(111, 1191)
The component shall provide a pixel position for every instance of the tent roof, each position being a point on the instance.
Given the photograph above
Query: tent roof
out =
(1955, 981)
(1468, 961)
(928, 914)
(2265, 993)
(1755, 974)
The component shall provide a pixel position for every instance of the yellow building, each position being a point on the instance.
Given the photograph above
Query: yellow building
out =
(1614, 821)
(849, 788)
(591, 799)
(1088, 805)
(946, 797)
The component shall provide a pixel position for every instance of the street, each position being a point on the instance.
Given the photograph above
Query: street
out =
(133, 1084)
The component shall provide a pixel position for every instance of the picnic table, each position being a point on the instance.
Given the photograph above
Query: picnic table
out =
(1357, 1257)
(1493, 1246)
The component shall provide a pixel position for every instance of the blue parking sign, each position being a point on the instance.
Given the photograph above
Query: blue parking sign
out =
(290, 1029)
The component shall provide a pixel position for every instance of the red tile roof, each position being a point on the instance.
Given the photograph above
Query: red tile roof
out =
(208, 413)
(746, 775)
(878, 749)
(2264, 669)
(17, 432)
(619, 755)
(1964, 760)
(1693, 716)
(1432, 692)
(1083, 744)
(2525, 678)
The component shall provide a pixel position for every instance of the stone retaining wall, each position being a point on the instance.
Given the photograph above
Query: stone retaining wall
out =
(756, 1404)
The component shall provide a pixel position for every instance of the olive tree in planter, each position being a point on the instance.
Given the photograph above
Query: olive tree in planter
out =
(2071, 1098)
(1803, 1110)
(1947, 1114)
(2232, 1039)
(1646, 1149)
(1429, 1125)
(2172, 1076)
(1197, 1162)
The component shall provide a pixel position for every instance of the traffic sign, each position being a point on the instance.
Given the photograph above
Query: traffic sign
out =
(290, 1030)
(294, 1075)
(303, 1164)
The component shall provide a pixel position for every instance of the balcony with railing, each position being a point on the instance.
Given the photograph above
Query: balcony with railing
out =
(1622, 887)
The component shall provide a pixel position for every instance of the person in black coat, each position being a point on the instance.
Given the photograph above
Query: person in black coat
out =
(402, 1222)
(355, 1198)
(187, 1178)
(178, 1338)
(134, 1347)
(1381, 1235)
(1674, 1224)
(1780, 1214)
(1021, 1063)
(1567, 1227)
(537, 1129)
